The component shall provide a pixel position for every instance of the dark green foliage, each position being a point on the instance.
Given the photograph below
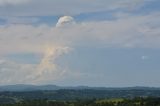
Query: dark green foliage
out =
(93, 102)
(83, 97)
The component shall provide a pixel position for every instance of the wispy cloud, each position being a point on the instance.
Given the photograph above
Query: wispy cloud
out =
(126, 31)
(12, 2)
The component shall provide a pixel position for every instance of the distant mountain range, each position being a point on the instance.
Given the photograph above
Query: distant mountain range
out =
(22, 87)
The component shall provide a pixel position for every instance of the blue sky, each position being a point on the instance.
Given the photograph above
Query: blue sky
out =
(111, 43)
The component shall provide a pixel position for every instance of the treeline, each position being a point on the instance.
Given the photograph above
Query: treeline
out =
(80, 94)
(93, 102)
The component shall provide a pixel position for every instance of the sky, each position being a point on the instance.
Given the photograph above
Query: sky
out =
(109, 43)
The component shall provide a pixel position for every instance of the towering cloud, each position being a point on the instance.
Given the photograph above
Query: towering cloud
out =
(48, 69)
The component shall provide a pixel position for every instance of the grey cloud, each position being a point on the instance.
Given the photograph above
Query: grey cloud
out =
(65, 7)
(130, 31)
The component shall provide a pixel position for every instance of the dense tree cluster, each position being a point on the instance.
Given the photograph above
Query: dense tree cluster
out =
(93, 102)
